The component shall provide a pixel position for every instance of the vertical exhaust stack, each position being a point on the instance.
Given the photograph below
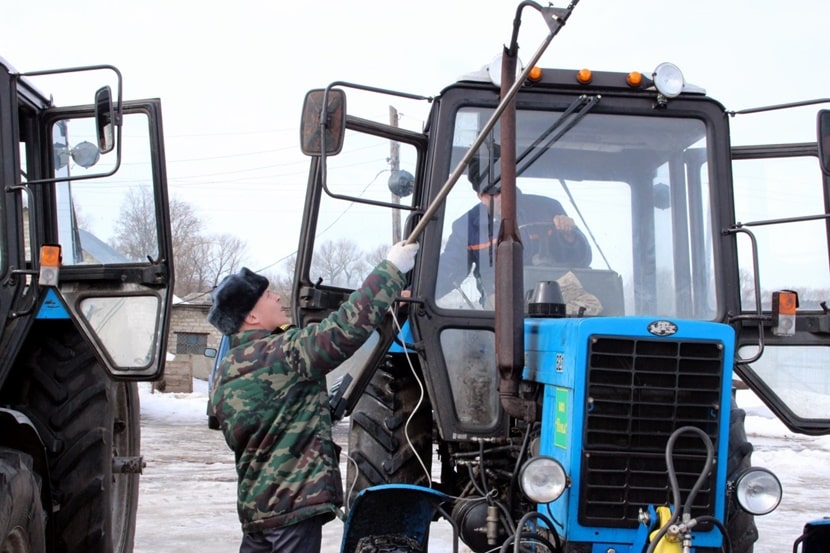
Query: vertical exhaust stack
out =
(509, 324)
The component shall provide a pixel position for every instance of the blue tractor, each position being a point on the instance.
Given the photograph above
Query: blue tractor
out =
(546, 402)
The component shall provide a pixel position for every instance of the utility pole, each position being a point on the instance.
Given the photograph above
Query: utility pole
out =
(394, 166)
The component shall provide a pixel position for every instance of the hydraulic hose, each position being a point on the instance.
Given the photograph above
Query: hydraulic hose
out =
(675, 486)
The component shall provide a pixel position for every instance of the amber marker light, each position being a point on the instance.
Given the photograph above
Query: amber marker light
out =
(584, 76)
(535, 74)
(50, 261)
(634, 79)
(784, 305)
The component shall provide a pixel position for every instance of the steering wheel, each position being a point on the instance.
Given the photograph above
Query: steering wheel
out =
(543, 235)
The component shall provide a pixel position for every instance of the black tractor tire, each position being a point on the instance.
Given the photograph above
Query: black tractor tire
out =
(379, 451)
(388, 544)
(739, 524)
(22, 519)
(126, 447)
(86, 421)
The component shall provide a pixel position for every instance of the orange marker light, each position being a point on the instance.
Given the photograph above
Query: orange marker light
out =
(584, 76)
(784, 304)
(50, 260)
(50, 255)
(634, 79)
(535, 74)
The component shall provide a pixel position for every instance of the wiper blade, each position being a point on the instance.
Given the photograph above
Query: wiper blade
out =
(587, 103)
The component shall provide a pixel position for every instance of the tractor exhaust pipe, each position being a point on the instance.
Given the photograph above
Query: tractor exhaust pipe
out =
(509, 323)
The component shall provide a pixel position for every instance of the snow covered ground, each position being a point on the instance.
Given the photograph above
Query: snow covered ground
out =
(187, 495)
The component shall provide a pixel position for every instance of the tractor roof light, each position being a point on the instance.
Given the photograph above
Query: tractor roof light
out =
(758, 491)
(543, 479)
(634, 79)
(668, 79)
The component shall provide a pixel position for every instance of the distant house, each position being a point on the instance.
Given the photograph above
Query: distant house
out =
(190, 335)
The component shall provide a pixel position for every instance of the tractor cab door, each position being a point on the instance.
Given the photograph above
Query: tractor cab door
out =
(91, 181)
(116, 278)
(782, 209)
(359, 200)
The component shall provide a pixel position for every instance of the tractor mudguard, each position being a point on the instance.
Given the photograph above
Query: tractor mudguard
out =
(407, 511)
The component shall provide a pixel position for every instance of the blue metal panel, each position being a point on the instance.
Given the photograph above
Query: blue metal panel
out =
(52, 307)
(557, 356)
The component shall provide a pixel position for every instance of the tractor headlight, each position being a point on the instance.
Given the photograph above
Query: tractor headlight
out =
(758, 491)
(543, 479)
(668, 79)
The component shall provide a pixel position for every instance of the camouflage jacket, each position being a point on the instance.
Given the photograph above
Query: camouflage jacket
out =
(270, 397)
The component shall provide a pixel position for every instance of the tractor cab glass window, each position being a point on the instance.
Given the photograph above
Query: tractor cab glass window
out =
(26, 151)
(110, 219)
(791, 255)
(615, 208)
(125, 327)
(358, 220)
(797, 375)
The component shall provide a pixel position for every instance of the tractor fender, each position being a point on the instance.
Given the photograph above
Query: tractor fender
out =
(19, 433)
(397, 512)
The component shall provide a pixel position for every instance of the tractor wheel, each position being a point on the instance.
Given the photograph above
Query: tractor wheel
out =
(126, 446)
(740, 525)
(85, 421)
(388, 544)
(22, 520)
(379, 450)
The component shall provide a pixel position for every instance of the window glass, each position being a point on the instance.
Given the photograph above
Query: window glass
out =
(188, 342)
(615, 209)
(471, 367)
(797, 375)
(793, 255)
(351, 236)
(125, 326)
(105, 220)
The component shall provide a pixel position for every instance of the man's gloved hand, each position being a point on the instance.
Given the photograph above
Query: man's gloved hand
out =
(565, 225)
(402, 256)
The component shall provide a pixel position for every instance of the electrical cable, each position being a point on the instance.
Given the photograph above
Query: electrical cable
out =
(422, 394)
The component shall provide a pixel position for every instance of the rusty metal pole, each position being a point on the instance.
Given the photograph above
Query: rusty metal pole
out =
(509, 323)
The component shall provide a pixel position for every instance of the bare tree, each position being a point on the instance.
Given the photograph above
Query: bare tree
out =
(135, 234)
(339, 263)
(199, 261)
(223, 258)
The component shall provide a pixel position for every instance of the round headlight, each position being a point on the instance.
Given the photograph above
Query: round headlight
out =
(758, 491)
(668, 79)
(543, 479)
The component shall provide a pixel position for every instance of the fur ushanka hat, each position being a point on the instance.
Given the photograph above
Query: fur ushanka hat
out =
(234, 298)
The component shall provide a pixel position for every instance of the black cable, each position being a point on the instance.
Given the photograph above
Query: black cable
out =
(727, 544)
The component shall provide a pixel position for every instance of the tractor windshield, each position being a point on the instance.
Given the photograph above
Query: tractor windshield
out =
(616, 208)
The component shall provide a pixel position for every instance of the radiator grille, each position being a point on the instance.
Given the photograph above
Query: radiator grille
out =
(639, 391)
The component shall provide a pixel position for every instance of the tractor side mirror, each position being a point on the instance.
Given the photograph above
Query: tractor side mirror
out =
(323, 124)
(824, 140)
(104, 120)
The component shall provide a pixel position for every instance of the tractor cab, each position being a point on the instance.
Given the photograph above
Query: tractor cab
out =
(646, 181)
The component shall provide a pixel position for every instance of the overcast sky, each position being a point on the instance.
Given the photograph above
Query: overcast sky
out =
(232, 76)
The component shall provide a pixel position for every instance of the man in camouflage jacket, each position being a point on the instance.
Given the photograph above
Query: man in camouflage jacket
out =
(270, 397)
